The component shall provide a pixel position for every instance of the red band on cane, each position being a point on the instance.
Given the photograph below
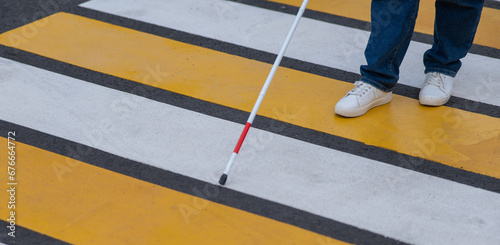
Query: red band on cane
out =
(242, 137)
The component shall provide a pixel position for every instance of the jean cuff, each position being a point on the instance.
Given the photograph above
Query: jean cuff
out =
(375, 84)
(442, 71)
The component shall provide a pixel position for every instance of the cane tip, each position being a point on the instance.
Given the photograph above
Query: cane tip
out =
(223, 179)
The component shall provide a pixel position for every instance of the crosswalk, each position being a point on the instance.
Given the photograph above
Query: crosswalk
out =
(128, 111)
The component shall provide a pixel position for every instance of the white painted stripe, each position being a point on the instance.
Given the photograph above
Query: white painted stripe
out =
(388, 200)
(314, 41)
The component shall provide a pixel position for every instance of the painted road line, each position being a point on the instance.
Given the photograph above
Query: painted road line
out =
(209, 191)
(264, 123)
(486, 33)
(449, 136)
(371, 195)
(27, 236)
(242, 51)
(97, 206)
(492, 4)
(314, 41)
(358, 24)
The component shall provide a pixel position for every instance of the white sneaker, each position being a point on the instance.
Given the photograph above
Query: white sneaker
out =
(436, 90)
(361, 99)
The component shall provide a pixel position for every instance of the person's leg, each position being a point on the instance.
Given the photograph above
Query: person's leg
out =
(454, 30)
(392, 24)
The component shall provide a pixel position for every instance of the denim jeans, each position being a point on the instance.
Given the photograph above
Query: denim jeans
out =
(392, 24)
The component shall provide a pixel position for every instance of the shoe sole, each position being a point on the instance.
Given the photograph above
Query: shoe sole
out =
(433, 101)
(362, 110)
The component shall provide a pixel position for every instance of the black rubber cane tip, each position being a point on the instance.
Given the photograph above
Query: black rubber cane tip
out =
(223, 179)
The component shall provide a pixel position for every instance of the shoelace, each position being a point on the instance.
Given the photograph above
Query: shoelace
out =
(360, 89)
(436, 80)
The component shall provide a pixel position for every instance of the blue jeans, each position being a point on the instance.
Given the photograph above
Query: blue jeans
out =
(392, 24)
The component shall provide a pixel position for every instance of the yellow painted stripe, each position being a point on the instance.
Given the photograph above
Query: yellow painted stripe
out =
(83, 204)
(487, 32)
(453, 137)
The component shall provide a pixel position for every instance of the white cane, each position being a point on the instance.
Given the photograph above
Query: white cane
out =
(223, 178)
